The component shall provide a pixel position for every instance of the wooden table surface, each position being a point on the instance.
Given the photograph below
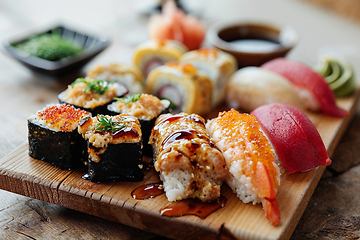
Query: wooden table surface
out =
(333, 211)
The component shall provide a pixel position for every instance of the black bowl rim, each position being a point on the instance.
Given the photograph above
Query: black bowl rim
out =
(47, 65)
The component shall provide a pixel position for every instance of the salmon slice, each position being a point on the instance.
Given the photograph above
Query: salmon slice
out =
(312, 86)
(253, 173)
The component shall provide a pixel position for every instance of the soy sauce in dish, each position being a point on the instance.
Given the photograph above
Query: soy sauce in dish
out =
(254, 45)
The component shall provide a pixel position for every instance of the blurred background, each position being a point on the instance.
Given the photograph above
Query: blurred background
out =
(125, 22)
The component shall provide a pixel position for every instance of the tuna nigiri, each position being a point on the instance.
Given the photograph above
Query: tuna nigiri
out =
(174, 24)
(253, 173)
(295, 139)
(313, 89)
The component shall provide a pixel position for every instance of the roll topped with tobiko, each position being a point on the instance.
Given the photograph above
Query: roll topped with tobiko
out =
(91, 95)
(181, 83)
(53, 136)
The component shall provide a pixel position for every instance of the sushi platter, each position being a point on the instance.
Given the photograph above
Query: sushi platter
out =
(21, 174)
(181, 142)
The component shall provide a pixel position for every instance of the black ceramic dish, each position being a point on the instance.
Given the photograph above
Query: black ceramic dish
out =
(223, 34)
(91, 46)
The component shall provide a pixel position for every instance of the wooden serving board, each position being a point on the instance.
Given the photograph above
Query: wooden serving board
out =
(24, 175)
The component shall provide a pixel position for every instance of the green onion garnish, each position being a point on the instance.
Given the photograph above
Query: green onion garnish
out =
(172, 105)
(132, 98)
(98, 86)
(108, 125)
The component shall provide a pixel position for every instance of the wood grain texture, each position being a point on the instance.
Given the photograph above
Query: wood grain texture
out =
(24, 175)
(347, 8)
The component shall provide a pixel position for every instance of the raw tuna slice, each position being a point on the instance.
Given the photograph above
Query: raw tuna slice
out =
(310, 85)
(295, 139)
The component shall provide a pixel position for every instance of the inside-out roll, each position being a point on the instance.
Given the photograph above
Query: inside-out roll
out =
(155, 53)
(189, 89)
(217, 64)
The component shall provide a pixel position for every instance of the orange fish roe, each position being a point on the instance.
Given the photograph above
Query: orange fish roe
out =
(243, 131)
(209, 52)
(184, 67)
(173, 64)
(62, 116)
(161, 43)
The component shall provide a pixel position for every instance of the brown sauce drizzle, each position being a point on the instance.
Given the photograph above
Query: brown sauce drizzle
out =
(169, 119)
(147, 191)
(213, 145)
(84, 120)
(194, 146)
(178, 135)
(193, 207)
(125, 132)
(182, 134)
(196, 119)
(176, 117)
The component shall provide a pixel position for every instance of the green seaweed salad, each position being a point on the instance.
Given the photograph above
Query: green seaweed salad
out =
(49, 46)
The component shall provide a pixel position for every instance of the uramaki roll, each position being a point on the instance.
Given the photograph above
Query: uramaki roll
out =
(190, 164)
(155, 53)
(218, 65)
(189, 89)
(129, 76)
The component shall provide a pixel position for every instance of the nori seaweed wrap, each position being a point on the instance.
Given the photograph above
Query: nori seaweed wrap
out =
(92, 95)
(114, 148)
(146, 108)
(53, 136)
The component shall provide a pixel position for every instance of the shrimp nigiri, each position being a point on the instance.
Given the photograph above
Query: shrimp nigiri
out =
(313, 89)
(253, 173)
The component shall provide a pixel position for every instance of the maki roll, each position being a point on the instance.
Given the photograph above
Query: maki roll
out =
(53, 136)
(146, 108)
(155, 53)
(181, 83)
(92, 95)
(114, 148)
(190, 164)
(218, 65)
(129, 76)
